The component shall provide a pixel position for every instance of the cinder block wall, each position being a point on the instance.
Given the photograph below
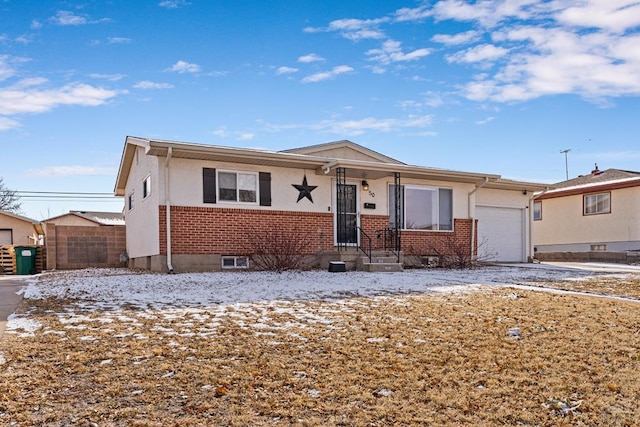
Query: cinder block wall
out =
(73, 247)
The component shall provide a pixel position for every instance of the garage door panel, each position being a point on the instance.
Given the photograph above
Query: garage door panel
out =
(501, 233)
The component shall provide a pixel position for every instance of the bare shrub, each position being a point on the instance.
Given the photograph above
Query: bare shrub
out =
(279, 249)
(451, 253)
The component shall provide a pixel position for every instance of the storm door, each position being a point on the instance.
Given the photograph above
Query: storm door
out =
(347, 215)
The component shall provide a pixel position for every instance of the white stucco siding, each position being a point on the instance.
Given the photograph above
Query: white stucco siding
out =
(563, 221)
(142, 222)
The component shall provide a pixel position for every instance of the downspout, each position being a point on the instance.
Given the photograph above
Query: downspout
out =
(472, 216)
(167, 194)
(531, 258)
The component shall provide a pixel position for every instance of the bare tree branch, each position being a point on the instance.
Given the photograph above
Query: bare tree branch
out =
(9, 200)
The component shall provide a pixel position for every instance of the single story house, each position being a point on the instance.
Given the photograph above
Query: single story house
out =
(196, 207)
(590, 217)
(87, 218)
(18, 230)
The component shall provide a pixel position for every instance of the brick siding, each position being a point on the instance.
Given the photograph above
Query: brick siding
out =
(198, 230)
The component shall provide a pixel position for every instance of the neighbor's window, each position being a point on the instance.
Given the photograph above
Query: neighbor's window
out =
(599, 248)
(421, 208)
(597, 203)
(131, 201)
(237, 187)
(146, 187)
(537, 211)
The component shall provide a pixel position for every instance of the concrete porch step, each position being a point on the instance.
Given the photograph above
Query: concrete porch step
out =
(377, 267)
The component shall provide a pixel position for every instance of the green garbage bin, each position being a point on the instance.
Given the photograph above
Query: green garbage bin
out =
(25, 260)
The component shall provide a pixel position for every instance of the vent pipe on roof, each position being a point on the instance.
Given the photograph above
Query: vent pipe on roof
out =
(167, 193)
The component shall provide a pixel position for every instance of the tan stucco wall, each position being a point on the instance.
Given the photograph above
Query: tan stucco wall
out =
(563, 221)
(22, 230)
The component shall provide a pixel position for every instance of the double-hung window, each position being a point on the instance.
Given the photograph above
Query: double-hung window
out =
(421, 208)
(537, 211)
(597, 203)
(146, 187)
(237, 187)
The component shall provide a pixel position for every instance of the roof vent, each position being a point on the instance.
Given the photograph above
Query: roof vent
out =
(595, 171)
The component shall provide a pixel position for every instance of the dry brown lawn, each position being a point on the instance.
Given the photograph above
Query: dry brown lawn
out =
(498, 356)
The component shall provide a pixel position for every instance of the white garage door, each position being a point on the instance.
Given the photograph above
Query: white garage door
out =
(501, 234)
(5, 237)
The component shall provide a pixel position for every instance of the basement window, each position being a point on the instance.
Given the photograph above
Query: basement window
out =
(229, 262)
(598, 248)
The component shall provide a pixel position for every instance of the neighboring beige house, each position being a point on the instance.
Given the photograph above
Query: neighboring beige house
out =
(192, 207)
(18, 230)
(590, 215)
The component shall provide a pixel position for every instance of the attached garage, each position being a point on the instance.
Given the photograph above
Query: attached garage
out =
(501, 233)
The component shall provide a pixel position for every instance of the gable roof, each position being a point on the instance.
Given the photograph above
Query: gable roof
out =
(375, 167)
(344, 149)
(37, 225)
(101, 218)
(610, 179)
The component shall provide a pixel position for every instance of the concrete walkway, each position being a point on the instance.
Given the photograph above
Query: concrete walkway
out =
(9, 297)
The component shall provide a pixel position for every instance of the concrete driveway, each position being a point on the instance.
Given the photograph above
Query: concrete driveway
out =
(9, 297)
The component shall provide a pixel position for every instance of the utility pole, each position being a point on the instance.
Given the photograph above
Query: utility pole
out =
(566, 162)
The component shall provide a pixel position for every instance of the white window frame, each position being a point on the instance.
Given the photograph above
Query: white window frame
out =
(239, 262)
(537, 210)
(237, 200)
(606, 207)
(146, 187)
(435, 210)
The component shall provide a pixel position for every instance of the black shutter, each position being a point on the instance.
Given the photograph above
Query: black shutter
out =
(209, 185)
(265, 188)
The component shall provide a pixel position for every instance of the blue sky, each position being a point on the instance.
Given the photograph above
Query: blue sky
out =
(485, 86)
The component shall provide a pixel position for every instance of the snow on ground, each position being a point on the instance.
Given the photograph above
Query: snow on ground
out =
(249, 296)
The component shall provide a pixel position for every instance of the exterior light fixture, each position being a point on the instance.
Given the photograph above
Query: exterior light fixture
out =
(365, 185)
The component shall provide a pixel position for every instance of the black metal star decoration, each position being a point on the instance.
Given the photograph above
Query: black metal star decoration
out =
(305, 190)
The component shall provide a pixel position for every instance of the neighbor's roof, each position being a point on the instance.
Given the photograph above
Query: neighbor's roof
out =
(378, 167)
(37, 225)
(610, 179)
(102, 218)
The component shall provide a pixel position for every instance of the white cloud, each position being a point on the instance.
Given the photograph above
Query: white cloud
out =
(64, 17)
(354, 29)
(480, 53)
(457, 39)
(71, 171)
(317, 77)
(488, 13)
(119, 40)
(413, 124)
(7, 123)
(246, 136)
(612, 15)
(26, 97)
(146, 84)
(35, 24)
(184, 67)
(221, 132)
(110, 77)
(286, 70)
(9, 64)
(412, 14)
(312, 57)
(391, 52)
(173, 4)
(359, 127)
(485, 121)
